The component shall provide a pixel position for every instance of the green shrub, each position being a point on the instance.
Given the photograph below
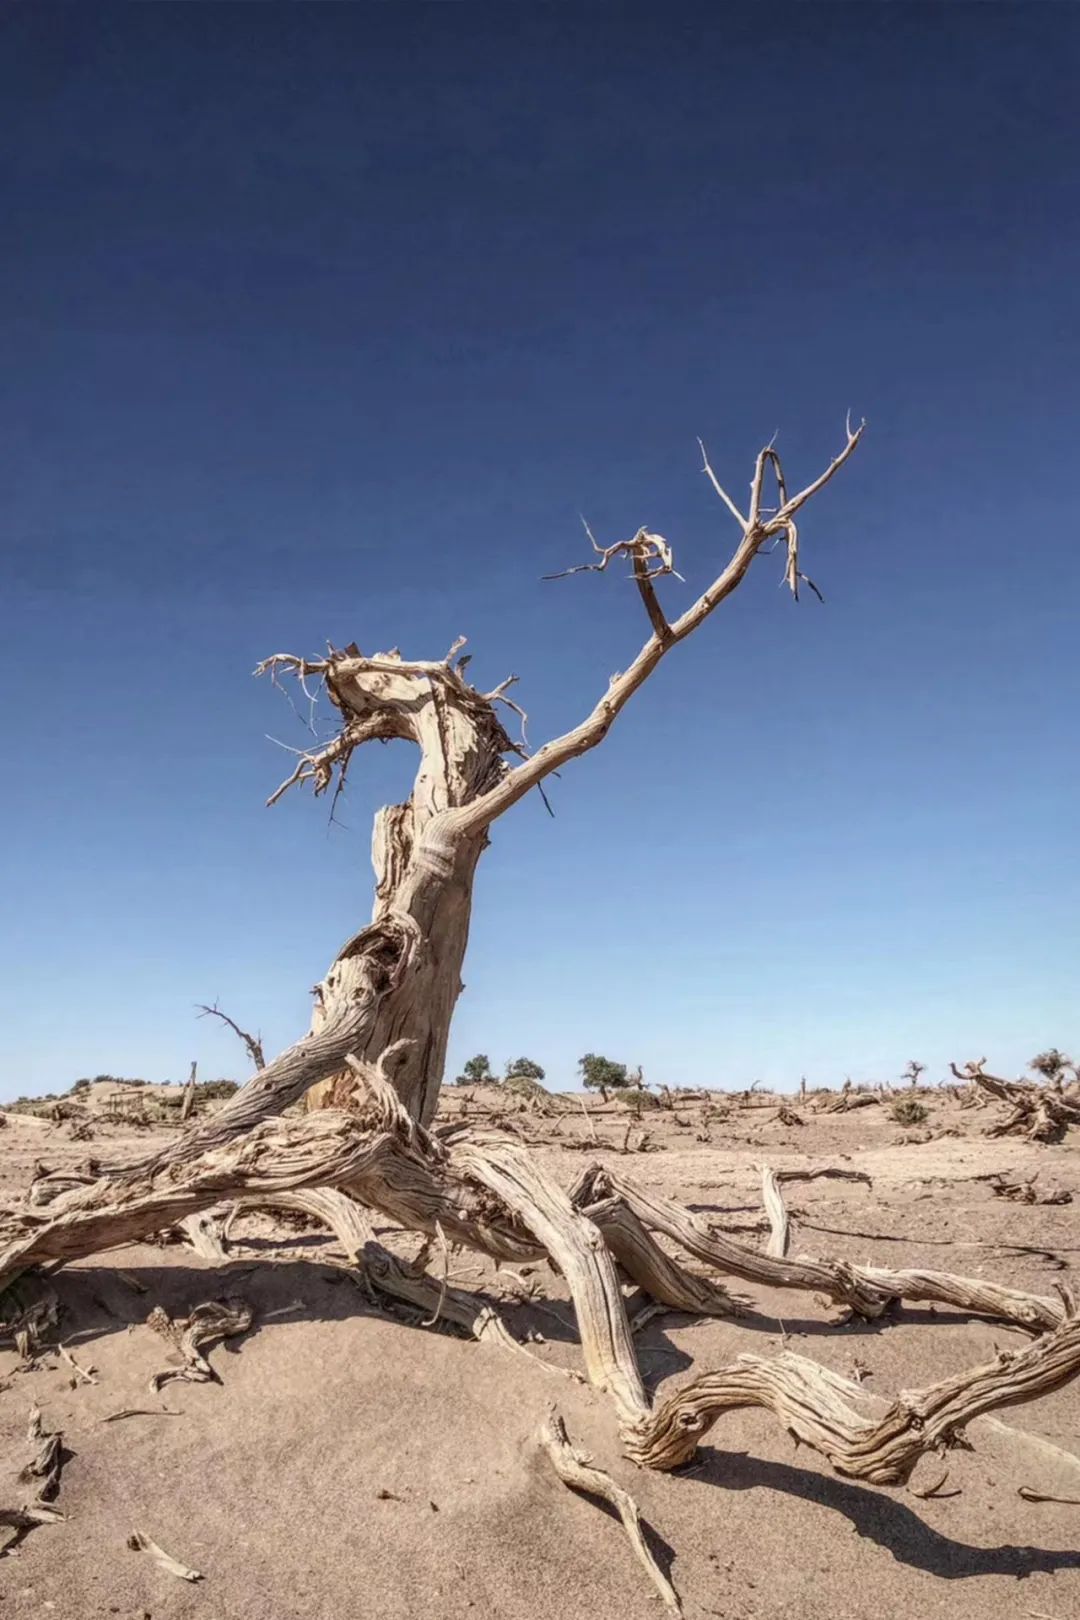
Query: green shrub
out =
(477, 1072)
(602, 1074)
(524, 1069)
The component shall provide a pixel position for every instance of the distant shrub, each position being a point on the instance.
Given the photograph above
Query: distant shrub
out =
(524, 1068)
(477, 1072)
(526, 1086)
(908, 1111)
(210, 1091)
(81, 1085)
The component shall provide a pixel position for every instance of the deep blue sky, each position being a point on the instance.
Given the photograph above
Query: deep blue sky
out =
(327, 322)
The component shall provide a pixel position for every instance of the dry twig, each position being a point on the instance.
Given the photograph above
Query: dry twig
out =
(576, 1470)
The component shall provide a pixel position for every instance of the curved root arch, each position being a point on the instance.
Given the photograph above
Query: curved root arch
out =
(492, 1196)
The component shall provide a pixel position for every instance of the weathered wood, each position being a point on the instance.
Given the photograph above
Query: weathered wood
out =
(579, 1472)
(213, 1320)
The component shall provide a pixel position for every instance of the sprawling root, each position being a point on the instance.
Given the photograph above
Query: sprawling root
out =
(806, 1399)
(386, 1274)
(493, 1196)
(867, 1290)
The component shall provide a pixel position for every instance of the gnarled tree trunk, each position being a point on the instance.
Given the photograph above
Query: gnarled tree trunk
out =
(398, 978)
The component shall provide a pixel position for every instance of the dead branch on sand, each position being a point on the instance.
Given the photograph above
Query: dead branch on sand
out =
(216, 1319)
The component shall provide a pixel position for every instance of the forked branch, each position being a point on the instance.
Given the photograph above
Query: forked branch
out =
(761, 526)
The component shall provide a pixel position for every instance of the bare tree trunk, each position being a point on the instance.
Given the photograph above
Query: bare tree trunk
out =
(398, 978)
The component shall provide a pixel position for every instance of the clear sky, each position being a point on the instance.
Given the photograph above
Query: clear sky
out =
(328, 321)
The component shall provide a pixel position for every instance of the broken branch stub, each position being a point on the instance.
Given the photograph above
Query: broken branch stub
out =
(216, 1319)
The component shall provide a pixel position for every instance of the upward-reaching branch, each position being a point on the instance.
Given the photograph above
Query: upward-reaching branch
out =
(757, 529)
(252, 1043)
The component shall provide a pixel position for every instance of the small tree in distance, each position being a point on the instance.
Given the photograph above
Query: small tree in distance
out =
(602, 1074)
(523, 1068)
(477, 1072)
(913, 1071)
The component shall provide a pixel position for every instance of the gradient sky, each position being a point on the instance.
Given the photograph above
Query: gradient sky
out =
(327, 322)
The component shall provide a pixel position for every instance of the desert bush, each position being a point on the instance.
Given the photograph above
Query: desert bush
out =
(477, 1072)
(526, 1086)
(524, 1068)
(908, 1111)
(209, 1091)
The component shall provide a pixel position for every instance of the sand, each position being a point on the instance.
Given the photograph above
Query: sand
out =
(352, 1465)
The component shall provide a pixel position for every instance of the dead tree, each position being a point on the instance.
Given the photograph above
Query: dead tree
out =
(399, 976)
(376, 1050)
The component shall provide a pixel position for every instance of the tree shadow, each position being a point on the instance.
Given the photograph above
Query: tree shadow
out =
(97, 1302)
(881, 1519)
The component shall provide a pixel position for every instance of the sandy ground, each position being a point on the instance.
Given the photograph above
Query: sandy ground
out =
(270, 1482)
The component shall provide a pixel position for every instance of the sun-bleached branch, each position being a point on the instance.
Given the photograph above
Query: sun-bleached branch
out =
(758, 528)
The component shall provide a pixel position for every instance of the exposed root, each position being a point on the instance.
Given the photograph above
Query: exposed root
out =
(836, 1279)
(807, 1400)
(576, 1470)
(492, 1195)
(868, 1290)
(670, 1285)
(213, 1320)
(578, 1249)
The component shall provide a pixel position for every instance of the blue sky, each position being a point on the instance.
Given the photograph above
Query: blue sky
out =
(327, 322)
